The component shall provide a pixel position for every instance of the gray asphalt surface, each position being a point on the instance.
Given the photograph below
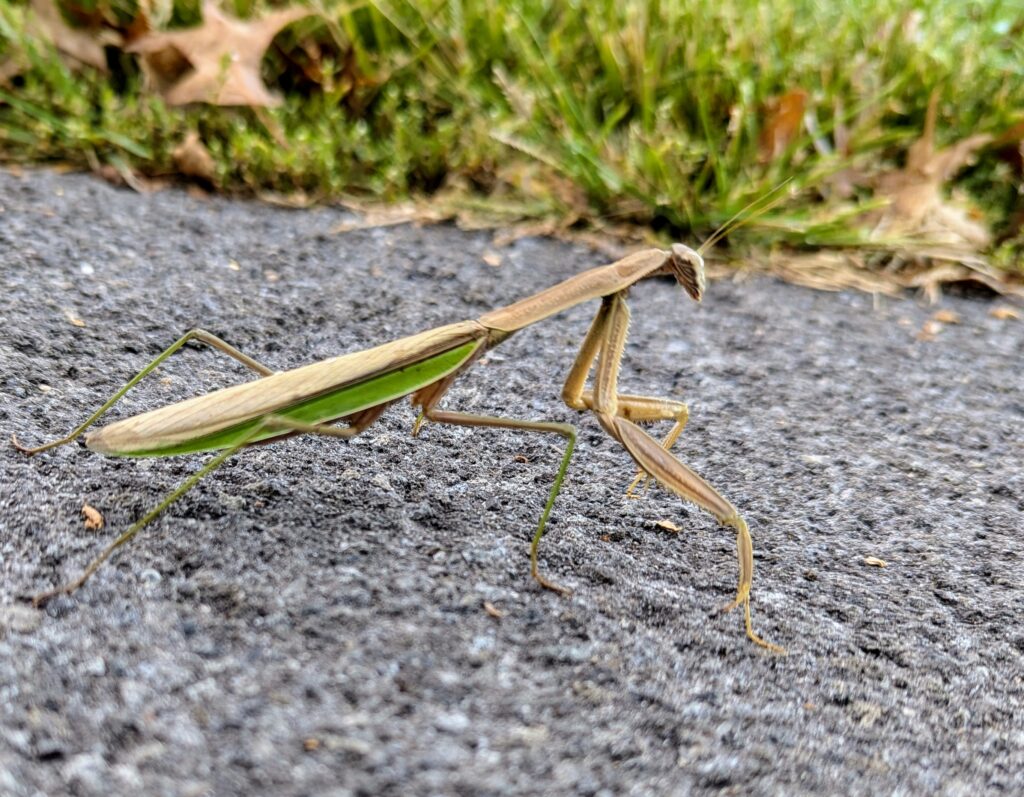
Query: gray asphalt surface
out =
(310, 619)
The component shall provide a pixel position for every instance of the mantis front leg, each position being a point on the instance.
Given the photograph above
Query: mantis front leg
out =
(640, 409)
(605, 342)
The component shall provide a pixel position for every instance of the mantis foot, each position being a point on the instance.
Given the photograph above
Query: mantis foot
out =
(40, 599)
(25, 449)
(551, 585)
(641, 476)
(744, 600)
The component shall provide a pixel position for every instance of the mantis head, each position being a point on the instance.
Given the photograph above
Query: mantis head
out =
(687, 266)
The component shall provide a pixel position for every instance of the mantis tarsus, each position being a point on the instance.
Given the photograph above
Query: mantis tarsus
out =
(356, 388)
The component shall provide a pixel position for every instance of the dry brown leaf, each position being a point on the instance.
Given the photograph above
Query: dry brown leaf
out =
(120, 173)
(11, 67)
(376, 215)
(783, 119)
(874, 561)
(924, 269)
(83, 45)
(223, 53)
(493, 610)
(1004, 313)
(917, 208)
(929, 330)
(193, 159)
(69, 314)
(310, 744)
(668, 525)
(491, 258)
(946, 317)
(93, 518)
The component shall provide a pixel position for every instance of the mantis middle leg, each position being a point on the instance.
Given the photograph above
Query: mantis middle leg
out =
(642, 409)
(428, 398)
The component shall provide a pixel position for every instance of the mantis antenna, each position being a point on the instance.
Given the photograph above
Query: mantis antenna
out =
(746, 214)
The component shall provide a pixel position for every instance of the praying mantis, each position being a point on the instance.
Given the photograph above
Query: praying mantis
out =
(356, 388)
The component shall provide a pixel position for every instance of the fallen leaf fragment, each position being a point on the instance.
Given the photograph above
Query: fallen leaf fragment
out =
(83, 45)
(929, 330)
(784, 117)
(193, 159)
(1004, 313)
(310, 744)
(70, 316)
(492, 258)
(874, 561)
(946, 317)
(93, 518)
(668, 525)
(224, 54)
(917, 208)
(493, 610)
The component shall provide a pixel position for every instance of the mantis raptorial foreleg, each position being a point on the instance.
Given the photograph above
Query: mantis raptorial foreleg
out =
(642, 409)
(200, 335)
(606, 342)
(357, 424)
(646, 409)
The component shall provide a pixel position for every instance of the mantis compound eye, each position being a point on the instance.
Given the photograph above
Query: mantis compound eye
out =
(688, 267)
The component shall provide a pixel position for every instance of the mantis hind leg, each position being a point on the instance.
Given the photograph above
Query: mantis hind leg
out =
(42, 598)
(357, 423)
(428, 398)
(200, 335)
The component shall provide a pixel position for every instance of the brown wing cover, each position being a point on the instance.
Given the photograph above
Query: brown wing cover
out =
(230, 406)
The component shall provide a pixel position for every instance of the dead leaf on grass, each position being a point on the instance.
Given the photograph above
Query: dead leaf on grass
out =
(193, 159)
(874, 561)
(223, 53)
(783, 119)
(668, 525)
(83, 45)
(917, 208)
(946, 317)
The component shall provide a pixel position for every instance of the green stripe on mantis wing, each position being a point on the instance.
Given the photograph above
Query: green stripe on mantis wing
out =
(326, 407)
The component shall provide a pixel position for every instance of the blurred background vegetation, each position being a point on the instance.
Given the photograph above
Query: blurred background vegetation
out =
(667, 116)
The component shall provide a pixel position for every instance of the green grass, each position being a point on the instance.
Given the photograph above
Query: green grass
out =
(644, 112)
